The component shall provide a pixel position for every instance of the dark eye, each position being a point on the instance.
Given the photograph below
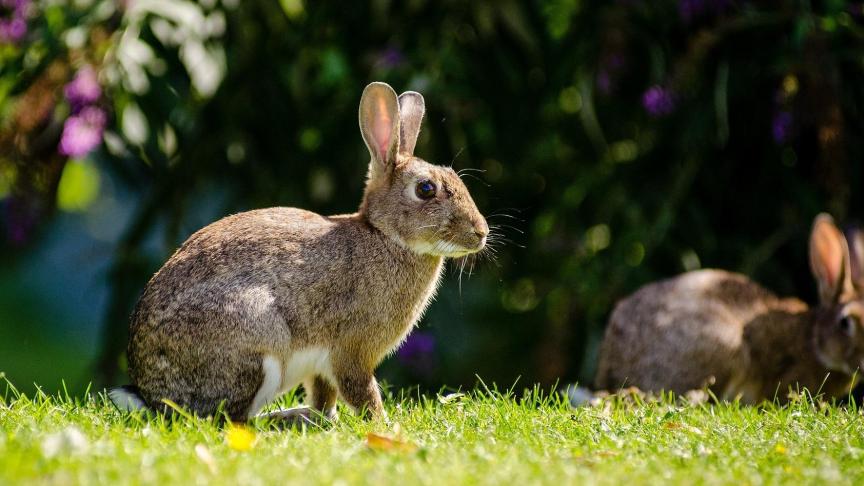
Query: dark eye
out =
(847, 325)
(426, 189)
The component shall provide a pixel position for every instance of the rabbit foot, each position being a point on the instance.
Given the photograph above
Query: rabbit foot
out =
(296, 418)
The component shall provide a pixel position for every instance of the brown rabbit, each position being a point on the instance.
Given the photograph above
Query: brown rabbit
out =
(259, 302)
(717, 328)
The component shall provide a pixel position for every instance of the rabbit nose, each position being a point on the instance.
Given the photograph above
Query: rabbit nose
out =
(481, 229)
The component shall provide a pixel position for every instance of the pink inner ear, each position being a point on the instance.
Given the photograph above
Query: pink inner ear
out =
(382, 128)
(829, 255)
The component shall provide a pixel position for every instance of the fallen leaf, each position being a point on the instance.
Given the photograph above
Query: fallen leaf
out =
(606, 454)
(672, 425)
(378, 442)
(239, 438)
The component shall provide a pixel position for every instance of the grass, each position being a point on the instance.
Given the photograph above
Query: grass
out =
(482, 437)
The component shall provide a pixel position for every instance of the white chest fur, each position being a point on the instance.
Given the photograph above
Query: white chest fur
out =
(281, 375)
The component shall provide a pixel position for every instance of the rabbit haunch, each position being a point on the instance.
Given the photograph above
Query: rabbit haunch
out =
(719, 329)
(261, 301)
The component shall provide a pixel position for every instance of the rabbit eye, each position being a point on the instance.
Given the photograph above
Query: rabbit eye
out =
(426, 189)
(847, 325)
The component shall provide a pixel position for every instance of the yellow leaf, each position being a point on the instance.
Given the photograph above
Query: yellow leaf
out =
(378, 442)
(239, 438)
(79, 186)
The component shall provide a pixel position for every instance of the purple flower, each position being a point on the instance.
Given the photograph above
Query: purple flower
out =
(781, 126)
(608, 73)
(691, 9)
(417, 344)
(604, 81)
(82, 132)
(20, 219)
(13, 22)
(84, 88)
(658, 101)
(417, 353)
(390, 57)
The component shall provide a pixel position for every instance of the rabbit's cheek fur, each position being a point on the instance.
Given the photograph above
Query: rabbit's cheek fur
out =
(854, 312)
(448, 224)
(839, 348)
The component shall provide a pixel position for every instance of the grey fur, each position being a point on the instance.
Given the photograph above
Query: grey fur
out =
(719, 329)
(274, 282)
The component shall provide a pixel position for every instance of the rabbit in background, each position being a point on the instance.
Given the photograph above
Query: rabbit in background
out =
(259, 302)
(712, 327)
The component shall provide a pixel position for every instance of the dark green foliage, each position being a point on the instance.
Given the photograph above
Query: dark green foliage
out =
(619, 142)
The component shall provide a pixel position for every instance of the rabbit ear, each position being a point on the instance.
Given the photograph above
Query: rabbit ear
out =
(855, 240)
(829, 259)
(379, 123)
(411, 110)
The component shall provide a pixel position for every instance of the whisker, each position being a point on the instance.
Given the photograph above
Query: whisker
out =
(502, 215)
(458, 153)
(497, 226)
(476, 178)
(461, 271)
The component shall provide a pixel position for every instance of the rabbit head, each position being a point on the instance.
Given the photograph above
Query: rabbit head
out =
(425, 207)
(837, 263)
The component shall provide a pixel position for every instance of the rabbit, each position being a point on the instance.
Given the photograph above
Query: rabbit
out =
(721, 330)
(259, 302)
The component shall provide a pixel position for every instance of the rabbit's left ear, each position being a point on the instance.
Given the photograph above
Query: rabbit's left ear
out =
(855, 240)
(829, 260)
(379, 124)
(411, 110)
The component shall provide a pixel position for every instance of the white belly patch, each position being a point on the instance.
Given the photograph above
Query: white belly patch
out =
(280, 376)
(271, 367)
(306, 363)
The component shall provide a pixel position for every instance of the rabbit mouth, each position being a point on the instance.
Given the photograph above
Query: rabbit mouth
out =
(447, 249)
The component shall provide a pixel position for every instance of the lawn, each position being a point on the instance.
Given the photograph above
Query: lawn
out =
(482, 437)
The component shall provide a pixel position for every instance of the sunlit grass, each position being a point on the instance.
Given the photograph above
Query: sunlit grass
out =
(484, 436)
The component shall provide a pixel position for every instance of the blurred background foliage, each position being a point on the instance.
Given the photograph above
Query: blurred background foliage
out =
(616, 142)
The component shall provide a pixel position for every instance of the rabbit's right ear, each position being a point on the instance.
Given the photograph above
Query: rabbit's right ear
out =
(379, 124)
(855, 240)
(829, 260)
(411, 110)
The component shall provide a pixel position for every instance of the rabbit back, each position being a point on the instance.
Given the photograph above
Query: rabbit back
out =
(682, 333)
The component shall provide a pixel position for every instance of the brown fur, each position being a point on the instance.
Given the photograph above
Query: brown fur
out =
(719, 329)
(273, 282)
